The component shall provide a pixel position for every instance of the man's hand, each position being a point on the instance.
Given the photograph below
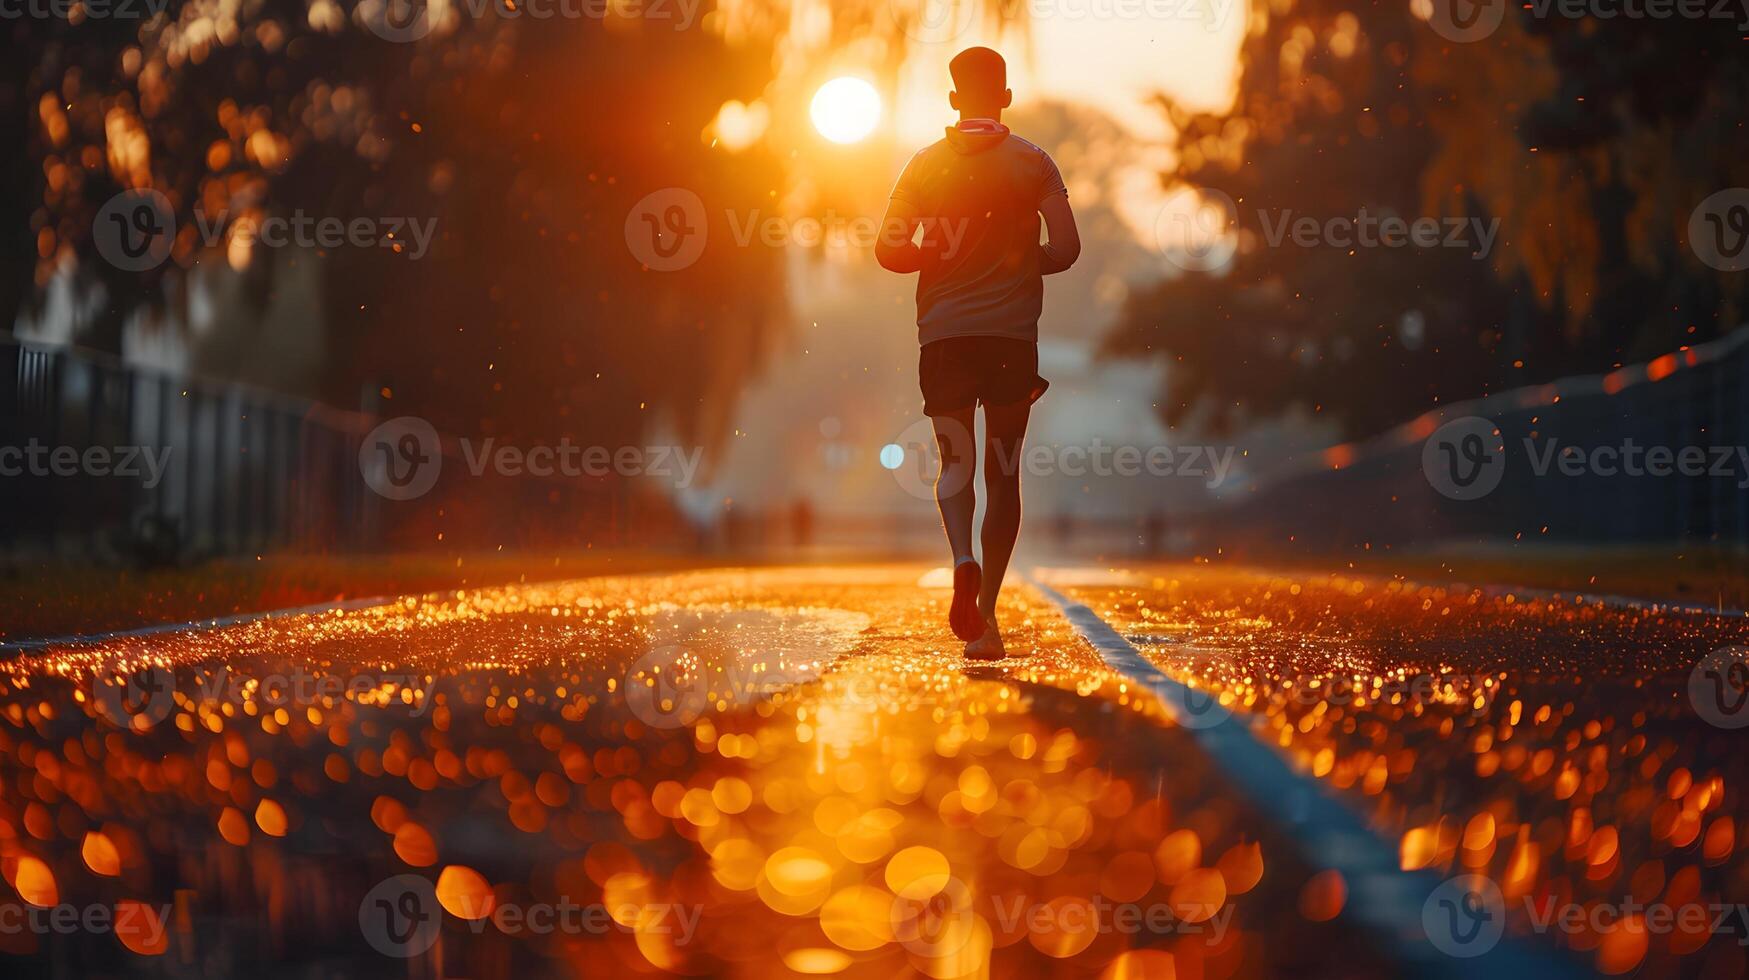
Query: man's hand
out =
(894, 248)
(1062, 240)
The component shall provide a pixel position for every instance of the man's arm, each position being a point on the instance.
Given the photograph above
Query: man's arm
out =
(1062, 240)
(894, 249)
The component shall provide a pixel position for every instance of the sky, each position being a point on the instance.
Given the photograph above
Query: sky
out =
(813, 425)
(1111, 55)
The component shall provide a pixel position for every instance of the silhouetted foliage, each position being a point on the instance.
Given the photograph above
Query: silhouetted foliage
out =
(1591, 142)
(527, 141)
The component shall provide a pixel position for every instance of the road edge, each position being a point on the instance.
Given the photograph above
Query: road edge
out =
(1381, 896)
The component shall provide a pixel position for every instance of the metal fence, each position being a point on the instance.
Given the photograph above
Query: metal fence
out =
(1379, 493)
(106, 461)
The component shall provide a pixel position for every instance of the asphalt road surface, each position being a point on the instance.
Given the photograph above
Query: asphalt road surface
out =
(1180, 771)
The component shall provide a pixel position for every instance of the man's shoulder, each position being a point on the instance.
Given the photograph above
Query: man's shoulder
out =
(1024, 145)
(934, 149)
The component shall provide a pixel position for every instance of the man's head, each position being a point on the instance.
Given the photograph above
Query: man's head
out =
(980, 84)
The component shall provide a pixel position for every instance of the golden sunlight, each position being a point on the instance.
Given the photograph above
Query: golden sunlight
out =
(845, 110)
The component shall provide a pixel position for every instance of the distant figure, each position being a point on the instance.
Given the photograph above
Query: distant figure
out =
(801, 522)
(978, 195)
(1154, 533)
(1064, 530)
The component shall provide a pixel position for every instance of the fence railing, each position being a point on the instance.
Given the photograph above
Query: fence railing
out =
(106, 457)
(1555, 486)
(105, 460)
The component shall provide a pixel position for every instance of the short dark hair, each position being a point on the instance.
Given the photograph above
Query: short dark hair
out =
(979, 73)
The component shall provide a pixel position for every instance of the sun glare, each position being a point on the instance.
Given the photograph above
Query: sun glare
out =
(845, 110)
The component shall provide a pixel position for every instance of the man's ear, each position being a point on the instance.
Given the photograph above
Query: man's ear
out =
(1007, 97)
(953, 100)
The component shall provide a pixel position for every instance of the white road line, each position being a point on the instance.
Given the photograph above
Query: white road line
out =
(1381, 896)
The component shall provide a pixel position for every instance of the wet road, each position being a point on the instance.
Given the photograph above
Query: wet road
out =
(793, 772)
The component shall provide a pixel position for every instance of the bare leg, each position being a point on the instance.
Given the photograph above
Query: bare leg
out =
(953, 486)
(1004, 439)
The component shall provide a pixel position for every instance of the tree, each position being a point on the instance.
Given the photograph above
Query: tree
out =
(1346, 111)
(528, 141)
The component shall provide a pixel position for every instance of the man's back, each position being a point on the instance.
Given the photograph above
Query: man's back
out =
(978, 191)
(979, 196)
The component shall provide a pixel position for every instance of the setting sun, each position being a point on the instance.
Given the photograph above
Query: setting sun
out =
(845, 110)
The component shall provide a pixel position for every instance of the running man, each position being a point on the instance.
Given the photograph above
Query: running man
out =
(978, 303)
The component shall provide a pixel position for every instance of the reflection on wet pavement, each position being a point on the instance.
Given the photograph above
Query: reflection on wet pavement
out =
(1551, 744)
(727, 773)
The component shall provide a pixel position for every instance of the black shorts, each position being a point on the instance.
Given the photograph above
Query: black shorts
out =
(960, 372)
